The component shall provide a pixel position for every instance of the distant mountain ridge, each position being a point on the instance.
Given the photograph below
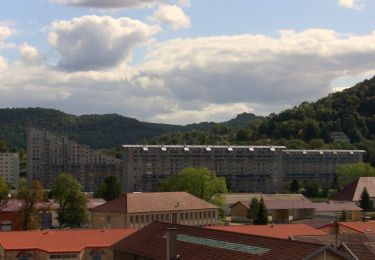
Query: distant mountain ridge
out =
(99, 131)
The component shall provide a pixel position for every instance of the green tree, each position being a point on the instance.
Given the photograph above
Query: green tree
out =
(200, 182)
(110, 189)
(4, 191)
(348, 172)
(253, 209)
(72, 210)
(365, 202)
(29, 197)
(294, 186)
(344, 216)
(262, 214)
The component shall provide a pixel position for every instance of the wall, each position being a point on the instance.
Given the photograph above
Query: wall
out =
(239, 213)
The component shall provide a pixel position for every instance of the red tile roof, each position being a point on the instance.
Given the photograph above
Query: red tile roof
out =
(150, 242)
(361, 227)
(60, 241)
(278, 231)
(353, 191)
(154, 202)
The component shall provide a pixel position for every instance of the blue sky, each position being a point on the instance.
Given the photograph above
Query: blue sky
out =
(181, 61)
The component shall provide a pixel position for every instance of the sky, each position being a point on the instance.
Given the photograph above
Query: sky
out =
(181, 61)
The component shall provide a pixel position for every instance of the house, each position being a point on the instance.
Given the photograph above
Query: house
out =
(46, 210)
(159, 241)
(353, 191)
(231, 198)
(359, 246)
(139, 209)
(61, 244)
(349, 227)
(279, 211)
(331, 208)
(284, 231)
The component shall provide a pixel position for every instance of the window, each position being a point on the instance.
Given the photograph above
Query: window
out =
(25, 256)
(109, 220)
(97, 255)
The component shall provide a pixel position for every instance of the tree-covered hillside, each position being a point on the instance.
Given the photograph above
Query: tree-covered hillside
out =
(99, 131)
(305, 126)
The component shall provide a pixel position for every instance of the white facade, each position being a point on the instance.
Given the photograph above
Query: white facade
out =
(10, 168)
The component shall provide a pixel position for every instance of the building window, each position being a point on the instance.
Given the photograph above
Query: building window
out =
(131, 219)
(25, 256)
(109, 220)
(97, 255)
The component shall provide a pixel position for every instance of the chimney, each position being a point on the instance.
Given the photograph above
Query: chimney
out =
(171, 244)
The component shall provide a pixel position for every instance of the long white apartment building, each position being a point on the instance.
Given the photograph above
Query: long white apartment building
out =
(10, 168)
(267, 169)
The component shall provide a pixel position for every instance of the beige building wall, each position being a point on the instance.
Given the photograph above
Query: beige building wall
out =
(207, 217)
(10, 168)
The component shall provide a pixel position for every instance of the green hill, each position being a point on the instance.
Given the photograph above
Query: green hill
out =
(307, 126)
(99, 131)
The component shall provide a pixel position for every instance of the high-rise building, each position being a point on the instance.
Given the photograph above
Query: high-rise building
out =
(10, 168)
(49, 154)
(265, 169)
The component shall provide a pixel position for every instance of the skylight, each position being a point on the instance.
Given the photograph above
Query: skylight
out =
(223, 244)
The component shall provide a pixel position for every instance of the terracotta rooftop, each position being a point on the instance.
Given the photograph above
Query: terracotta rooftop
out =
(361, 227)
(194, 243)
(336, 206)
(278, 231)
(154, 202)
(59, 241)
(362, 246)
(353, 191)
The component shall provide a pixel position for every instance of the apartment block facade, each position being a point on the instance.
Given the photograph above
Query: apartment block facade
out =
(266, 169)
(10, 168)
(50, 154)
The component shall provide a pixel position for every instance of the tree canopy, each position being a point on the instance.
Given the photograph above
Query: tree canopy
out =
(365, 203)
(72, 210)
(200, 182)
(110, 189)
(349, 172)
(29, 197)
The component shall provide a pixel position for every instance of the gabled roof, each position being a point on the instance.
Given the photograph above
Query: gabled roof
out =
(231, 198)
(361, 246)
(60, 241)
(278, 231)
(353, 191)
(194, 243)
(154, 202)
(282, 204)
(336, 206)
(361, 227)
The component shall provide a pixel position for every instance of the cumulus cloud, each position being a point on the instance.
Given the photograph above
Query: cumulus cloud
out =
(172, 15)
(5, 32)
(200, 79)
(97, 42)
(30, 54)
(108, 4)
(351, 4)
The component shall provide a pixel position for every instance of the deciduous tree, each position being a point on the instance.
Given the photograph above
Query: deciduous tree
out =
(72, 210)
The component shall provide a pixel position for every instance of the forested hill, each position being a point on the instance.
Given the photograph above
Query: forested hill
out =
(99, 131)
(305, 126)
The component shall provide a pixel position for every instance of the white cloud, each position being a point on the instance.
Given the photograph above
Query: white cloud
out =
(3, 63)
(97, 42)
(5, 33)
(200, 79)
(184, 3)
(172, 15)
(30, 54)
(108, 4)
(351, 4)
